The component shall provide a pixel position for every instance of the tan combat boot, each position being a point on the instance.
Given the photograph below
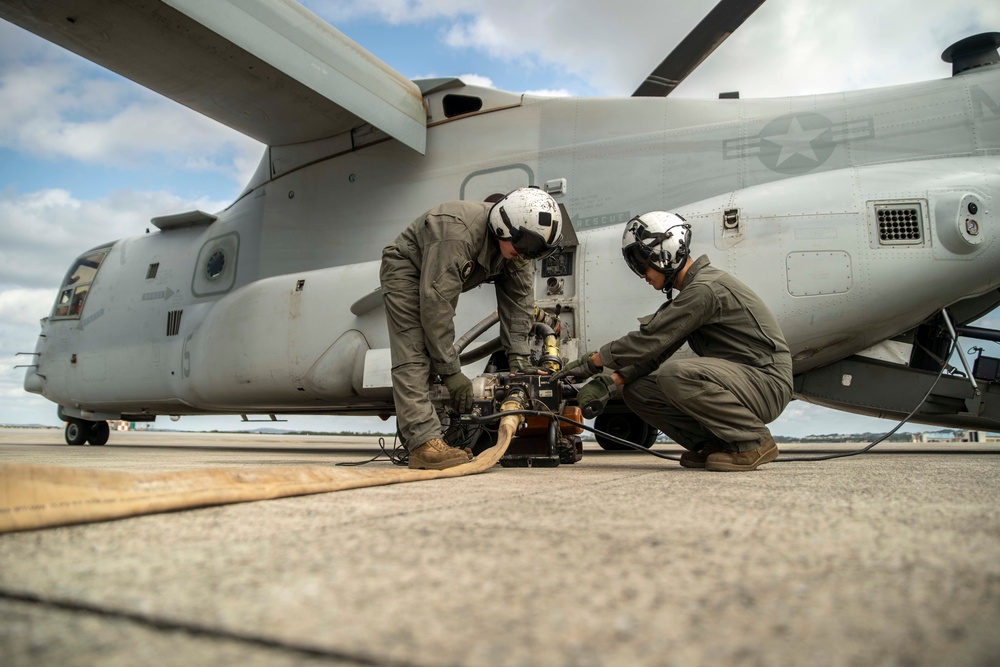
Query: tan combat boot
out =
(437, 455)
(697, 459)
(742, 461)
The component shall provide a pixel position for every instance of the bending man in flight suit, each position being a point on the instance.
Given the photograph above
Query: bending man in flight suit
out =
(446, 251)
(715, 405)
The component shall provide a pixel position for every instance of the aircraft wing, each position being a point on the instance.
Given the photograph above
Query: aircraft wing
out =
(267, 68)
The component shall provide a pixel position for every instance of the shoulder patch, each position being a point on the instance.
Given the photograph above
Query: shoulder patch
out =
(466, 270)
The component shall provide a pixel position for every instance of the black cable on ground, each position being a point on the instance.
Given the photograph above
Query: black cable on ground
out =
(637, 447)
(552, 415)
(474, 435)
(398, 455)
(886, 435)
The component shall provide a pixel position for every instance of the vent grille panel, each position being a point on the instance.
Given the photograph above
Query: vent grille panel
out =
(899, 224)
(151, 271)
(174, 322)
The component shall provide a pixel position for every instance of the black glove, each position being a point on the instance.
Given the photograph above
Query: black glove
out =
(594, 396)
(581, 368)
(460, 390)
(522, 364)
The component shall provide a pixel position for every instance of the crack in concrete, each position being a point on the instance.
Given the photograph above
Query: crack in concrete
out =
(159, 623)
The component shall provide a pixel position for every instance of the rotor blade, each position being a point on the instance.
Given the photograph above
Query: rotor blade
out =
(713, 30)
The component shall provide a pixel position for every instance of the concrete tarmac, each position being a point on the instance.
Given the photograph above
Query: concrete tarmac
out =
(890, 558)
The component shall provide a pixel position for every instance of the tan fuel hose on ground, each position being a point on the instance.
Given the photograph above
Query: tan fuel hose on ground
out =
(38, 496)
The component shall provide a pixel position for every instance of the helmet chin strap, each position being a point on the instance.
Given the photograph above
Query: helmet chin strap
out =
(668, 286)
(671, 280)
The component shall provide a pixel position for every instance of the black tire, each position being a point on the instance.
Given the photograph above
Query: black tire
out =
(650, 437)
(626, 426)
(77, 432)
(99, 433)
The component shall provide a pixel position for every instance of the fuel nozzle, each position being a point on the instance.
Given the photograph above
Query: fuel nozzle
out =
(550, 361)
(594, 396)
(593, 408)
(517, 398)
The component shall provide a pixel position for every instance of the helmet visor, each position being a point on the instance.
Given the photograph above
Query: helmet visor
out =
(531, 245)
(637, 256)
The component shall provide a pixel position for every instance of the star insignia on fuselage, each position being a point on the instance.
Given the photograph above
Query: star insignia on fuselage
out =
(797, 143)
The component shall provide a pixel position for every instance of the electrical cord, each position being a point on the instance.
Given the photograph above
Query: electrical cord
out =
(398, 455)
(461, 437)
(552, 415)
(884, 436)
(640, 448)
(472, 436)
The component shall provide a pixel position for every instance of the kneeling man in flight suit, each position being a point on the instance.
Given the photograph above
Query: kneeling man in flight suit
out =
(716, 405)
(446, 251)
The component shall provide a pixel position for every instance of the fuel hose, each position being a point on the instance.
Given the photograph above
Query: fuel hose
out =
(40, 496)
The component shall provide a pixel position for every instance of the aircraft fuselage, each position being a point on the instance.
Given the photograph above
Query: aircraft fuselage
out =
(855, 216)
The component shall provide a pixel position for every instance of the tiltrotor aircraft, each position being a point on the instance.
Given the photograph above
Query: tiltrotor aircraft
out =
(867, 221)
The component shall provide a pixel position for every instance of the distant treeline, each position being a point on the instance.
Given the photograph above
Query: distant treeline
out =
(356, 434)
(829, 437)
(846, 437)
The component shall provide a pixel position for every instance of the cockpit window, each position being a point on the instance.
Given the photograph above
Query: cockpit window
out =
(76, 284)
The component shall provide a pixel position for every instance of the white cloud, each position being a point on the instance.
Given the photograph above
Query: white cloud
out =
(43, 231)
(20, 313)
(476, 80)
(54, 105)
(391, 11)
(787, 47)
(596, 40)
(606, 44)
(546, 92)
(794, 47)
(25, 306)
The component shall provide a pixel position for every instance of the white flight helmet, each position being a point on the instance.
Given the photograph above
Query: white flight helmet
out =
(657, 239)
(530, 219)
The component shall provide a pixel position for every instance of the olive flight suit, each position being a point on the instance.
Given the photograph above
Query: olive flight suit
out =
(742, 380)
(444, 252)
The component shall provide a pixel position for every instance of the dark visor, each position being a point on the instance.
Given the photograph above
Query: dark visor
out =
(637, 257)
(531, 245)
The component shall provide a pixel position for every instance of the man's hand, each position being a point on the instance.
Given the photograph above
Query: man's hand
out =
(584, 367)
(522, 364)
(594, 396)
(460, 389)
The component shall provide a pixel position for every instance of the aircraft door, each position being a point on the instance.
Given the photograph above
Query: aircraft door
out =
(479, 185)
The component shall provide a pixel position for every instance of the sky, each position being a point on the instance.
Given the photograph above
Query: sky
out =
(88, 157)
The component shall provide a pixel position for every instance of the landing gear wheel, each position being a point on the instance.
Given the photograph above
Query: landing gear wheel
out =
(626, 426)
(77, 432)
(99, 433)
